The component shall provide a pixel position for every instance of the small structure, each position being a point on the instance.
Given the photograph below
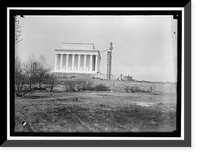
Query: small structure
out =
(77, 58)
(121, 77)
(128, 78)
(125, 78)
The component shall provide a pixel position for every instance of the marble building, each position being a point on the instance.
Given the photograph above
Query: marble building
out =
(77, 58)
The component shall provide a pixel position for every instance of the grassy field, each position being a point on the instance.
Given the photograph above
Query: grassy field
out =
(103, 111)
(120, 86)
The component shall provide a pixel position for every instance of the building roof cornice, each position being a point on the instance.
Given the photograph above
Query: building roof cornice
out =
(94, 50)
(76, 50)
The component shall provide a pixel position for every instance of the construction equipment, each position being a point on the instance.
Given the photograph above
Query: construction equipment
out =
(109, 61)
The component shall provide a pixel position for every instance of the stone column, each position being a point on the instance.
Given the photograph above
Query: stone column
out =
(79, 62)
(84, 66)
(96, 62)
(72, 61)
(55, 62)
(98, 65)
(61, 61)
(67, 61)
(90, 62)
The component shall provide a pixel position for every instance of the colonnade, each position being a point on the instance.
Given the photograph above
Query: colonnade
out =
(88, 63)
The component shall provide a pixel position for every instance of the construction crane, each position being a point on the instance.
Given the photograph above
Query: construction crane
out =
(109, 60)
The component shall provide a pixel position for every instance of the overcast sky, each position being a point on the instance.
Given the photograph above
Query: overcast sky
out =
(142, 45)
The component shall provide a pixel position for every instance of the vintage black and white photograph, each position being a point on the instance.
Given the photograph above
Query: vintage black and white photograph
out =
(96, 74)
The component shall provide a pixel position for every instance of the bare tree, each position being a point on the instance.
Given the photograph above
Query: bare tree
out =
(42, 71)
(30, 68)
(51, 81)
(21, 78)
(30, 73)
(18, 75)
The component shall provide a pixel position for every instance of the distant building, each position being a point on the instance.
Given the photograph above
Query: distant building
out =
(121, 77)
(77, 58)
(128, 78)
(125, 78)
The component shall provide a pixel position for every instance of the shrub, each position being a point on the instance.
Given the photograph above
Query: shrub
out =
(42, 88)
(70, 85)
(101, 87)
(130, 89)
(77, 84)
(90, 88)
(35, 88)
(136, 89)
(133, 89)
(84, 83)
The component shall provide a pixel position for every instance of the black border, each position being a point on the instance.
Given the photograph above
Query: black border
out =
(128, 143)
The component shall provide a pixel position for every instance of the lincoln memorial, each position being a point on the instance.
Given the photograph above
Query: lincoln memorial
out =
(77, 58)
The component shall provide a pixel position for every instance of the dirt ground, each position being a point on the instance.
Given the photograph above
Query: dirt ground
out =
(95, 112)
